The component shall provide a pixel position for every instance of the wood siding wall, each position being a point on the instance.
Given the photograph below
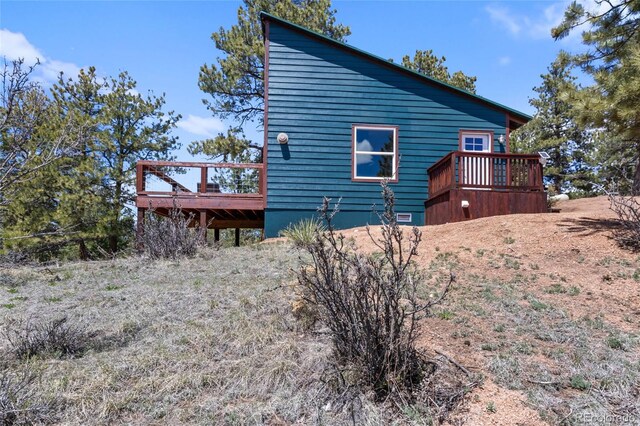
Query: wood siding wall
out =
(317, 91)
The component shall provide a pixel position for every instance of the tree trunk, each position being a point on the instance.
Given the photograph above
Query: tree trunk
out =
(82, 250)
(635, 190)
(557, 184)
(113, 244)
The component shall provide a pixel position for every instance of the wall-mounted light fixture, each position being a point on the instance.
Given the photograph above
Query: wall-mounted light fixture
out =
(501, 139)
(283, 138)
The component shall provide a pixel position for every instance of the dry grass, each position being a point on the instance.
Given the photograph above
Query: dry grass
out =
(208, 340)
(550, 319)
(21, 402)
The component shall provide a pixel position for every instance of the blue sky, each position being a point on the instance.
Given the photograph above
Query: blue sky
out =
(162, 44)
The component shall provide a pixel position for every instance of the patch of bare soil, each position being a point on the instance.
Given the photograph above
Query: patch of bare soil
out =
(546, 306)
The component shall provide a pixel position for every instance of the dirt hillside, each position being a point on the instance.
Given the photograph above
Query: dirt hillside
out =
(527, 285)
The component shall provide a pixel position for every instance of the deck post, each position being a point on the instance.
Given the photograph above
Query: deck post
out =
(216, 235)
(261, 181)
(203, 178)
(237, 237)
(203, 225)
(453, 170)
(140, 181)
(140, 228)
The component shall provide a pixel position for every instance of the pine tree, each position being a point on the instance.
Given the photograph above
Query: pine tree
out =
(236, 82)
(24, 109)
(30, 204)
(612, 104)
(427, 63)
(82, 199)
(36, 144)
(554, 129)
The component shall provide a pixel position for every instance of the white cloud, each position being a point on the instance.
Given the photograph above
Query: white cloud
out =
(521, 25)
(551, 17)
(51, 69)
(15, 46)
(365, 145)
(201, 126)
(504, 60)
(502, 16)
(537, 25)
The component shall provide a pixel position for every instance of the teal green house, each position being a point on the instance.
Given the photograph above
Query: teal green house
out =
(339, 120)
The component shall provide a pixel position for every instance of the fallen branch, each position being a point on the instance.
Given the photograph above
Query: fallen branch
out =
(538, 382)
(454, 362)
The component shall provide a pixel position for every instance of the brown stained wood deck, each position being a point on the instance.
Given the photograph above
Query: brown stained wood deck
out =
(491, 184)
(210, 208)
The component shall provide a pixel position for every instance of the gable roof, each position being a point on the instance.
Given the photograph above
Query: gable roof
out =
(430, 80)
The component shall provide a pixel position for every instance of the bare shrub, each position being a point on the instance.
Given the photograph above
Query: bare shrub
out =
(627, 208)
(19, 402)
(13, 258)
(170, 237)
(56, 337)
(369, 303)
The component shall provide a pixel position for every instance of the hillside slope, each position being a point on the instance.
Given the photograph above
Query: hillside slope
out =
(546, 308)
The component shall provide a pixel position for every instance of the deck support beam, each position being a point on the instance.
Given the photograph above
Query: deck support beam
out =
(237, 237)
(216, 235)
(203, 226)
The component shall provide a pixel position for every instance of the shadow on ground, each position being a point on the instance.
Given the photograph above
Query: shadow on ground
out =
(589, 226)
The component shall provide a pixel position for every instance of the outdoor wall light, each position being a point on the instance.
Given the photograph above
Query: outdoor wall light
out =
(501, 139)
(283, 138)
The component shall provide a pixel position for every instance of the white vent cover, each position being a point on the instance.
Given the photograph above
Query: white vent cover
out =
(403, 217)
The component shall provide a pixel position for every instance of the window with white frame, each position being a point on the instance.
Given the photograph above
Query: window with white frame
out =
(375, 152)
(476, 140)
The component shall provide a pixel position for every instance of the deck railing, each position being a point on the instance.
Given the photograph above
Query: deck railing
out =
(485, 171)
(239, 179)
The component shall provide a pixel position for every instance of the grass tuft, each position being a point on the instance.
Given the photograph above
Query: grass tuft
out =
(303, 233)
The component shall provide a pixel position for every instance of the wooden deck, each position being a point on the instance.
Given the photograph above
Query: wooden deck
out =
(239, 204)
(469, 185)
